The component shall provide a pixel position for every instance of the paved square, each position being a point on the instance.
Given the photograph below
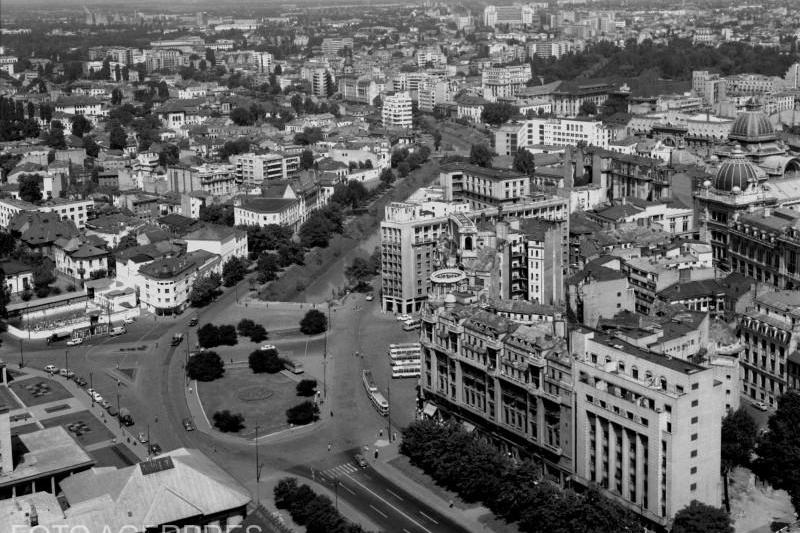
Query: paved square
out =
(36, 391)
(83, 426)
(7, 399)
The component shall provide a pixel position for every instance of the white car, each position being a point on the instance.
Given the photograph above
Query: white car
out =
(266, 347)
(52, 369)
(91, 392)
(65, 373)
(75, 342)
(129, 320)
(97, 398)
(761, 406)
(369, 298)
(403, 318)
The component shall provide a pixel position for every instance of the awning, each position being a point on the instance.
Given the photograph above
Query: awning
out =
(429, 409)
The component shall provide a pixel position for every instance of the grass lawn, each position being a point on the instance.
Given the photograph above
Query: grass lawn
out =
(7, 399)
(93, 432)
(36, 391)
(261, 398)
(24, 428)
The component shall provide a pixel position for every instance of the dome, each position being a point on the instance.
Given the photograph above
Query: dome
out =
(735, 174)
(752, 126)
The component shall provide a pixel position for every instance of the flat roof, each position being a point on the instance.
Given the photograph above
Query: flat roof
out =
(46, 452)
(677, 365)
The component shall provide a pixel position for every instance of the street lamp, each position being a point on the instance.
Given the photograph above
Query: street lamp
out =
(336, 491)
(21, 357)
(258, 472)
(66, 361)
(119, 418)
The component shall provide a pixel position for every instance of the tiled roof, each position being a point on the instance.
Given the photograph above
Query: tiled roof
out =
(267, 205)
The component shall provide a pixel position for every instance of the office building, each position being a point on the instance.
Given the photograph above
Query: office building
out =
(515, 15)
(647, 426)
(504, 82)
(550, 132)
(254, 169)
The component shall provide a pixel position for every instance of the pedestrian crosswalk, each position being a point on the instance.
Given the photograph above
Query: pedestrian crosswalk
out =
(339, 471)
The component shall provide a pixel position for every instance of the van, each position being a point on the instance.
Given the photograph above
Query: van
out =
(293, 366)
(119, 330)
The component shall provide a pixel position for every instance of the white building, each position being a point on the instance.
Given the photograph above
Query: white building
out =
(265, 211)
(75, 210)
(223, 241)
(253, 169)
(551, 132)
(397, 111)
(515, 15)
(504, 82)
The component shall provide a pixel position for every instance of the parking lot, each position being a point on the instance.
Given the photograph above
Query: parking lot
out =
(82, 425)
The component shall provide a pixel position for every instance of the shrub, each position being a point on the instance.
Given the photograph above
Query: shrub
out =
(228, 422)
(307, 387)
(227, 335)
(307, 508)
(303, 413)
(244, 327)
(26, 295)
(265, 361)
(205, 366)
(314, 322)
(258, 333)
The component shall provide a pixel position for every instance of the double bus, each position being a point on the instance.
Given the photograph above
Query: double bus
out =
(406, 371)
(405, 351)
(377, 399)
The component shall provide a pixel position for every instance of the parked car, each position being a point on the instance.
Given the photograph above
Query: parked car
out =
(52, 369)
(295, 367)
(360, 461)
(193, 322)
(188, 425)
(91, 392)
(79, 381)
(369, 298)
(404, 318)
(129, 320)
(112, 411)
(125, 417)
(761, 406)
(177, 339)
(266, 347)
(66, 373)
(119, 330)
(97, 398)
(154, 449)
(142, 437)
(75, 342)
(103, 403)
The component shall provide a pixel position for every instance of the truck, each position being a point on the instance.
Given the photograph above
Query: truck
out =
(177, 339)
(125, 417)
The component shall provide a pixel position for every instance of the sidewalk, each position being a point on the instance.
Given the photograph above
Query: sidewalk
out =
(467, 518)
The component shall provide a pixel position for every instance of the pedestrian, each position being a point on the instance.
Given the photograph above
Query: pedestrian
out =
(329, 446)
(380, 433)
(376, 453)
(394, 436)
(451, 503)
(331, 414)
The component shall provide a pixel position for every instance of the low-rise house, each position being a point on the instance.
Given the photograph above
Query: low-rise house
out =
(80, 258)
(249, 211)
(18, 277)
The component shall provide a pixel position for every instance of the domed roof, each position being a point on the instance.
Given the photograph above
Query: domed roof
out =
(735, 174)
(752, 126)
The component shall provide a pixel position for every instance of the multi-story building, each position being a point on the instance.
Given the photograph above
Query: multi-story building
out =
(362, 90)
(433, 93)
(397, 111)
(431, 56)
(256, 211)
(769, 329)
(599, 291)
(167, 281)
(321, 82)
(537, 261)
(550, 132)
(483, 187)
(647, 426)
(504, 82)
(515, 15)
(331, 46)
(651, 275)
(213, 179)
(224, 241)
(511, 382)
(254, 169)
(545, 49)
(79, 105)
(76, 211)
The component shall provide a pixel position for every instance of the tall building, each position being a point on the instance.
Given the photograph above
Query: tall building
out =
(647, 426)
(397, 111)
(504, 82)
(321, 82)
(331, 46)
(253, 169)
(515, 15)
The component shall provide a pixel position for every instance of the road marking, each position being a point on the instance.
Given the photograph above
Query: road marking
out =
(390, 491)
(389, 504)
(406, 531)
(428, 517)
(378, 511)
(347, 489)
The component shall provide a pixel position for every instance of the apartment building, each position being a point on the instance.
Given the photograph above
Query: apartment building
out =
(166, 282)
(321, 82)
(433, 93)
(362, 90)
(409, 237)
(514, 15)
(254, 169)
(224, 241)
(397, 111)
(331, 46)
(76, 211)
(769, 330)
(213, 179)
(537, 261)
(512, 382)
(504, 82)
(551, 132)
(651, 275)
(647, 426)
(600, 291)
(79, 105)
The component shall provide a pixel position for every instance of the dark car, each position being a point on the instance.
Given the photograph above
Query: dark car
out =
(154, 449)
(188, 425)
(193, 321)
(79, 381)
(360, 461)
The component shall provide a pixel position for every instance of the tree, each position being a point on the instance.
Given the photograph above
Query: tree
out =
(314, 322)
(377, 101)
(204, 289)
(242, 117)
(205, 366)
(29, 189)
(54, 138)
(481, 155)
(307, 387)
(116, 96)
(497, 113)
(306, 160)
(302, 414)
(437, 140)
(81, 125)
(297, 103)
(403, 168)
(739, 438)
(360, 270)
(701, 518)
(118, 139)
(387, 176)
(245, 326)
(217, 214)
(267, 267)
(278, 70)
(227, 422)
(233, 271)
(588, 108)
(208, 336)
(227, 335)
(309, 136)
(238, 146)
(778, 453)
(258, 333)
(265, 361)
(43, 274)
(90, 147)
(523, 162)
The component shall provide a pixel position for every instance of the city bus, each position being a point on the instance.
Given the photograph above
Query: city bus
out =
(377, 399)
(411, 325)
(406, 371)
(407, 351)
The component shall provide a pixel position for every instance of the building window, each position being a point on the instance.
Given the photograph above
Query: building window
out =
(694, 453)
(693, 487)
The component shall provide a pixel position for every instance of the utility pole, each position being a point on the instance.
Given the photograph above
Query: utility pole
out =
(21, 357)
(66, 360)
(186, 359)
(119, 419)
(389, 414)
(258, 473)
